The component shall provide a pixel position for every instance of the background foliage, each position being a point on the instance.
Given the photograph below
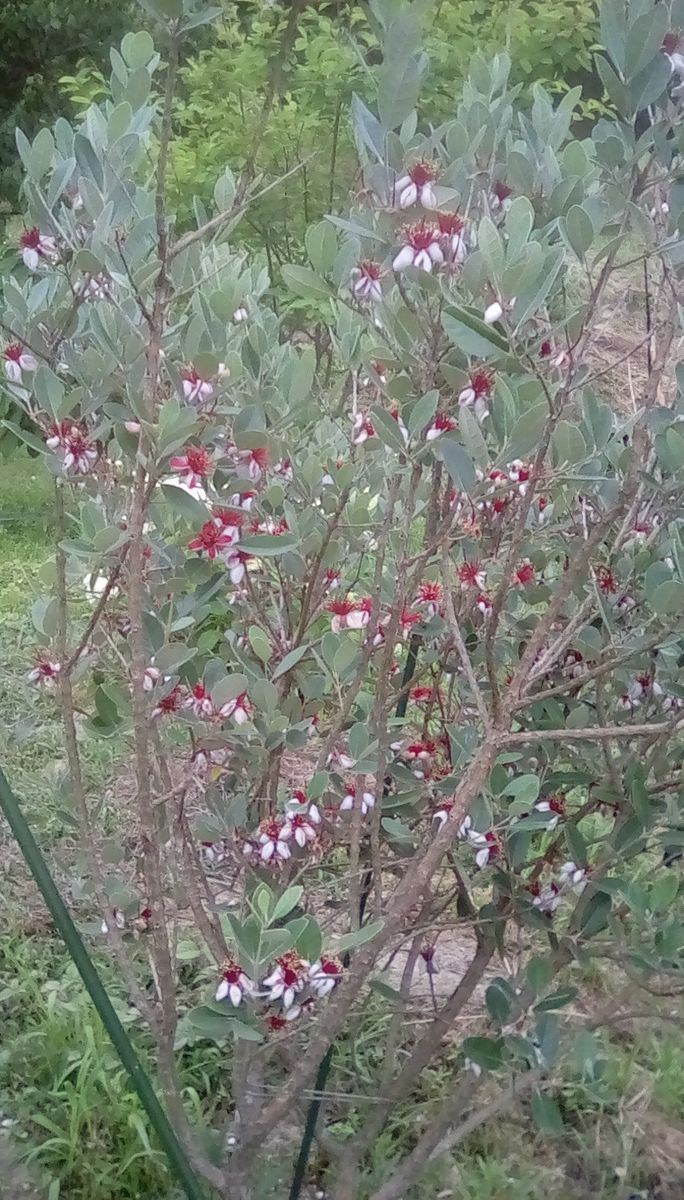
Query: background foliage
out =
(41, 40)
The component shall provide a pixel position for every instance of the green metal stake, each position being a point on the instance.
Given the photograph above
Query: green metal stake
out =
(72, 940)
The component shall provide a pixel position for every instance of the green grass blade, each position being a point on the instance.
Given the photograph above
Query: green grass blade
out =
(72, 940)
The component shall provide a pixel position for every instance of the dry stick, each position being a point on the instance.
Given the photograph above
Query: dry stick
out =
(379, 720)
(403, 900)
(316, 565)
(590, 734)
(563, 591)
(503, 1103)
(611, 765)
(87, 833)
(96, 614)
(192, 876)
(396, 1089)
(152, 867)
(455, 631)
(371, 628)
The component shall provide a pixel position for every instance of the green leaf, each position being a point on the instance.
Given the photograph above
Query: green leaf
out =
(613, 30)
(137, 49)
(305, 282)
(644, 39)
(664, 891)
(579, 229)
(209, 1023)
(228, 688)
(539, 973)
(519, 225)
(527, 431)
(457, 462)
(185, 505)
(498, 1004)
(269, 545)
(616, 89)
(472, 437)
(358, 740)
(422, 413)
(593, 915)
(470, 334)
(668, 599)
(289, 661)
(536, 294)
(387, 429)
(398, 92)
(351, 940)
(599, 419)
(48, 390)
(345, 655)
(524, 788)
(321, 246)
(547, 1114)
(486, 1052)
(260, 643)
(388, 993)
(42, 153)
(557, 1000)
(490, 245)
(25, 435)
(307, 937)
(568, 444)
(173, 656)
(649, 86)
(289, 899)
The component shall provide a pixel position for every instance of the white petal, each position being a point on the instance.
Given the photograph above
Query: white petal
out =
(433, 433)
(283, 850)
(466, 396)
(408, 196)
(492, 313)
(355, 620)
(300, 836)
(427, 196)
(435, 252)
(289, 997)
(222, 989)
(267, 851)
(31, 258)
(12, 370)
(423, 260)
(405, 258)
(235, 994)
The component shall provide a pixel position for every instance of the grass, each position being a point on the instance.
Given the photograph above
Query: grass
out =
(75, 1122)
